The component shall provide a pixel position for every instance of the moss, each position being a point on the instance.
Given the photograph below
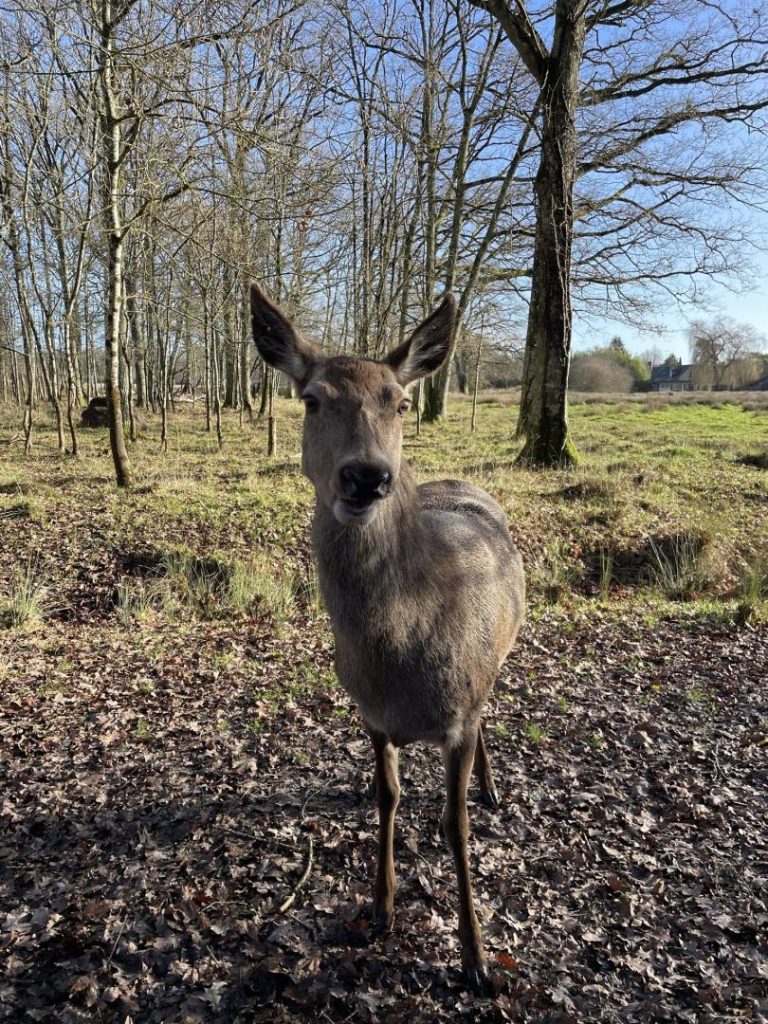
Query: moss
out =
(549, 453)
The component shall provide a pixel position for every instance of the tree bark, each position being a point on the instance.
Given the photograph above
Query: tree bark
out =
(543, 405)
(112, 160)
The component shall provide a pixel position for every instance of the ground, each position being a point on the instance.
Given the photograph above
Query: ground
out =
(185, 830)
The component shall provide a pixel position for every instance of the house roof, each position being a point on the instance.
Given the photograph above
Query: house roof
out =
(665, 372)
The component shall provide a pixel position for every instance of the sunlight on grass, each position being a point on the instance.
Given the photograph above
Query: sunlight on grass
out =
(209, 588)
(26, 601)
(235, 524)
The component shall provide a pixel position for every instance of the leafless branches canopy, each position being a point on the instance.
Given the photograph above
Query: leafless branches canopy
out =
(357, 160)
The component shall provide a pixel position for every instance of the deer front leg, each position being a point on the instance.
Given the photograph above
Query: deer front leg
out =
(458, 767)
(483, 773)
(387, 796)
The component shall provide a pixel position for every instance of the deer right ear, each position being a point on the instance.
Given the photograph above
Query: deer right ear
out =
(278, 343)
(427, 348)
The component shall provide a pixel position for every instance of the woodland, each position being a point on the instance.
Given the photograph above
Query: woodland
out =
(186, 830)
(588, 158)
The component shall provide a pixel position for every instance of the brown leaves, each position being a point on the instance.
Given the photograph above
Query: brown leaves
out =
(161, 791)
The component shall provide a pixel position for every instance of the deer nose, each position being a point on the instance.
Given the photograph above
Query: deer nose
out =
(364, 482)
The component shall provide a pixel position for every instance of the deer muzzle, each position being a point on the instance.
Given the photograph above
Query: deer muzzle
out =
(360, 486)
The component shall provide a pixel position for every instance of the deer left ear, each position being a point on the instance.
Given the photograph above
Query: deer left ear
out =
(427, 348)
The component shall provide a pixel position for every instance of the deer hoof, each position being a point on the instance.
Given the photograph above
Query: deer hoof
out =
(490, 799)
(479, 980)
(382, 921)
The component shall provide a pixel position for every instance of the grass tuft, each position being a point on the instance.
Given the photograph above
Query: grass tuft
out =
(26, 601)
(752, 600)
(683, 565)
(175, 582)
(554, 574)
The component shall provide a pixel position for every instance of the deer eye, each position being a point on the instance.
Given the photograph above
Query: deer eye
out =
(311, 404)
(404, 406)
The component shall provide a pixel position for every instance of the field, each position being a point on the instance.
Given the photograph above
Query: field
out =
(185, 832)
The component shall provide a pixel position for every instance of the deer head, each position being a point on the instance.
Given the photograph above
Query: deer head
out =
(353, 426)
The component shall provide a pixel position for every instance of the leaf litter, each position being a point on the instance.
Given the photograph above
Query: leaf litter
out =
(186, 832)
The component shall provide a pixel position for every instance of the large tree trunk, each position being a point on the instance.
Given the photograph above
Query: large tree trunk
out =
(543, 418)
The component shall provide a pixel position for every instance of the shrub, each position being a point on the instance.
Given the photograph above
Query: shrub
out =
(597, 373)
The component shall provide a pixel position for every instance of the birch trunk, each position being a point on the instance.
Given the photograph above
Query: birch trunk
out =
(113, 157)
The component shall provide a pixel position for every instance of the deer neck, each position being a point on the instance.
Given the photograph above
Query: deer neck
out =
(361, 559)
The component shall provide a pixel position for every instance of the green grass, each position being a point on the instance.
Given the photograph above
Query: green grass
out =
(535, 733)
(208, 587)
(25, 602)
(233, 526)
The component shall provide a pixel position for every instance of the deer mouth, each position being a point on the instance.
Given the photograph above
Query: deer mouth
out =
(355, 510)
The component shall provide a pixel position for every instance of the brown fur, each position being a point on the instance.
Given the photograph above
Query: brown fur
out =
(425, 598)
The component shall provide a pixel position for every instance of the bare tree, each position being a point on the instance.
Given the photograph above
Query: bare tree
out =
(654, 71)
(725, 352)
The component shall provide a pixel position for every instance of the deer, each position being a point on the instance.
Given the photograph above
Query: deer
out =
(422, 583)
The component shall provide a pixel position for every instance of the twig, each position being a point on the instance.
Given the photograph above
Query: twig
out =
(114, 947)
(310, 861)
(258, 840)
(718, 772)
(310, 794)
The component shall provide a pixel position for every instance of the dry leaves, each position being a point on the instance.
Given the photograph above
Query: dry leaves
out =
(165, 790)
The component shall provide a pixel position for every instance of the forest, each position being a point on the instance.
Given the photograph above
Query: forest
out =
(187, 826)
(357, 161)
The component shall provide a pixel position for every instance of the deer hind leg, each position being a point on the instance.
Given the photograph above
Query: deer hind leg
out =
(488, 792)
(387, 797)
(458, 767)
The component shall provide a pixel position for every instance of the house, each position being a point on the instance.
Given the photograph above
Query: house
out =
(758, 385)
(672, 377)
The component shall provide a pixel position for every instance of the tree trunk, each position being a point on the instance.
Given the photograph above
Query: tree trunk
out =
(137, 343)
(543, 418)
(112, 161)
(112, 361)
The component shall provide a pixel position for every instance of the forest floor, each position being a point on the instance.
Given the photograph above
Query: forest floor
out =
(185, 834)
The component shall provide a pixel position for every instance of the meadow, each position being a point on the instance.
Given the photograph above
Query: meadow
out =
(184, 823)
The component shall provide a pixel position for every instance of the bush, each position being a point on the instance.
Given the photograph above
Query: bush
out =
(600, 373)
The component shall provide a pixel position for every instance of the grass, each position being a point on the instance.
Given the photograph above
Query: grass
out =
(752, 595)
(555, 574)
(606, 573)
(535, 733)
(683, 567)
(230, 529)
(25, 603)
(211, 587)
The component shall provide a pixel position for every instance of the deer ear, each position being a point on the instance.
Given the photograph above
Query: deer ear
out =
(278, 342)
(426, 349)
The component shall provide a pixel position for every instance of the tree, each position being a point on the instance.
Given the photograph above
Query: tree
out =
(607, 369)
(615, 79)
(439, 176)
(725, 352)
